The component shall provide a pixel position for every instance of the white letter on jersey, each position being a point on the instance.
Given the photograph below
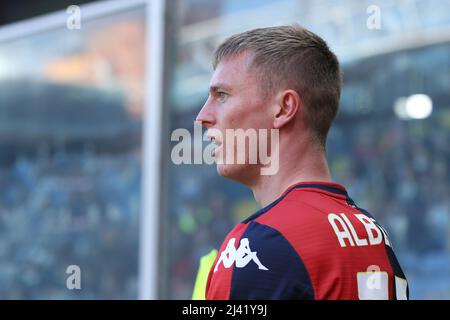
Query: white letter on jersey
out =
(341, 235)
(242, 256)
(359, 242)
(386, 238)
(370, 226)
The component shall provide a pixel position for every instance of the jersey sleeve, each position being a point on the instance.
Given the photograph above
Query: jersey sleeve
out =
(269, 268)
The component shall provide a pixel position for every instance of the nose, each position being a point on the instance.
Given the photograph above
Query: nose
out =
(206, 116)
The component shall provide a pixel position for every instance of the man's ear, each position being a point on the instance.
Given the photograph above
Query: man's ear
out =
(288, 104)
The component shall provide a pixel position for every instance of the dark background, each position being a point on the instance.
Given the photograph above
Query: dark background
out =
(16, 10)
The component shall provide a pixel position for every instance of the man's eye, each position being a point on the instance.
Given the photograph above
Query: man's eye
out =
(222, 96)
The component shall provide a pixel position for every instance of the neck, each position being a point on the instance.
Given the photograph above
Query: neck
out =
(310, 166)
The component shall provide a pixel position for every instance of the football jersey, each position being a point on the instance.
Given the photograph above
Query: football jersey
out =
(311, 243)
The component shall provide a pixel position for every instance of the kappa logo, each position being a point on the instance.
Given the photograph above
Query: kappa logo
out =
(240, 256)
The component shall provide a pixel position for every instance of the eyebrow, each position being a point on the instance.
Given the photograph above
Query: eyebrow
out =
(218, 87)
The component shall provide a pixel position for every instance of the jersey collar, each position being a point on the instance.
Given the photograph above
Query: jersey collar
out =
(331, 187)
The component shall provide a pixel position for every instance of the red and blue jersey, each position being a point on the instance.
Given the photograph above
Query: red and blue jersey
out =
(311, 243)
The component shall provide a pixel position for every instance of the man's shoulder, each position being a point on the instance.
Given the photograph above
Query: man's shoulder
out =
(300, 217)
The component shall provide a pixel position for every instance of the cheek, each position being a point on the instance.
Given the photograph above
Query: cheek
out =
(232, 116)
(245, 115)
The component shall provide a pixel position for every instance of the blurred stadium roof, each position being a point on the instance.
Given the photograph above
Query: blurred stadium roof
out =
(36, 111)
(407, 24)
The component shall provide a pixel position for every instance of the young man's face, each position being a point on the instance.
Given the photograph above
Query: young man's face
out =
(235, 102)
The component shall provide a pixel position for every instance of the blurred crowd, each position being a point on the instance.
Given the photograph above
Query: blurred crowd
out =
(69, 208)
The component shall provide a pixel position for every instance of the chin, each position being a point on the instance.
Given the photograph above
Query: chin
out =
(242, 173)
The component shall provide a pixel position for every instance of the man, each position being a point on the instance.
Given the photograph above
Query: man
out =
(309, 240)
